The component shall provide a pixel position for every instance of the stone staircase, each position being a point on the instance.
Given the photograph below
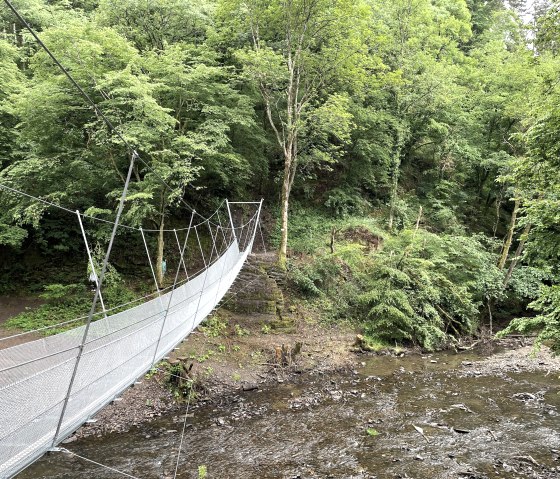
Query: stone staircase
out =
(258, 290)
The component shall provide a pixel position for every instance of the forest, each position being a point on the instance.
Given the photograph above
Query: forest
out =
(407, 152)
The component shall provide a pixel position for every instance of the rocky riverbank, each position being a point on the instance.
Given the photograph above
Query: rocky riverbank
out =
(246, 362)
(256, 338)
(484, 413)
(253, 361)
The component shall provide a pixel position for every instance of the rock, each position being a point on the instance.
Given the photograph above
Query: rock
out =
(250, 387)
(524, 397)
(336, 395)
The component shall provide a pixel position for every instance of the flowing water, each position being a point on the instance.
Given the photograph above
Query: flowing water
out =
(359, 424)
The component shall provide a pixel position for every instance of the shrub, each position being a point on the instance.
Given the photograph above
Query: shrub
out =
(546, 324)
(346, 202)
(68, 302)
(423, 288)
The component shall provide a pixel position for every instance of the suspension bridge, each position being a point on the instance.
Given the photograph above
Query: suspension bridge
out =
(51, 384)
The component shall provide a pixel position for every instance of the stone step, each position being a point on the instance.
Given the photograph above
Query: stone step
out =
(258, 291)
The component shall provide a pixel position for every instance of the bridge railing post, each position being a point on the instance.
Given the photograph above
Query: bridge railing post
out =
(181, 260)
(95, 298)
(231, 221)
(257, 224)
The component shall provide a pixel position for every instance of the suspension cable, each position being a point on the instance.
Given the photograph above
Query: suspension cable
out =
(184, 429)
(95, 218)
(63, 449)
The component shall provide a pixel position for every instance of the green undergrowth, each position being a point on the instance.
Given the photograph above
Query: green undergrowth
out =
(310, 230)
(68, 302)
(373, 344)
(410, 287)
(546, 323)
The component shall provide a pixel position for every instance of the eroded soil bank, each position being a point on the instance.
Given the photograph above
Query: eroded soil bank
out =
(240, 358)
(425, 417)
(12, 306)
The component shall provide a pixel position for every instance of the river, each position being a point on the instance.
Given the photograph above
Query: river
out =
(424, 417)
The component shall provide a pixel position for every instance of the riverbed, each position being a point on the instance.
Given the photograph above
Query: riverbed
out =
(438, 416)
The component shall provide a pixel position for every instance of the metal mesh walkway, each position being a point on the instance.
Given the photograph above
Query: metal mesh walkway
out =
(37, 378)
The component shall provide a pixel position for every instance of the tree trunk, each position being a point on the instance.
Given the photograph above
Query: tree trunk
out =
(490, 317)
(418, 219)
(518, 253)
(285, 202)
(159, 259)
(394, 187)
(509, 237)
(333, 238)
(498, 208)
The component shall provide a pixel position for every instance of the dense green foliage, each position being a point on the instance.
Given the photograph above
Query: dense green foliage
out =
(413, 286)
(407, 150)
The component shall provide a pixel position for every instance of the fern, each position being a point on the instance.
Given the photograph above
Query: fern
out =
(547, 323)
(421, 289)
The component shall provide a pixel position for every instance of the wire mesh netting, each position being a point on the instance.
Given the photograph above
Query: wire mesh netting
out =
(35, 377)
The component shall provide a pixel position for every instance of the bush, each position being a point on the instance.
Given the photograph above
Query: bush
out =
(344, 202)
(415, 286)
(302, 278)
(69, 302)
(425, 288)
(310, 231)
(546, 324)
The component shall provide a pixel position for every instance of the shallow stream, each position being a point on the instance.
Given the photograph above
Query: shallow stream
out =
(430, 417)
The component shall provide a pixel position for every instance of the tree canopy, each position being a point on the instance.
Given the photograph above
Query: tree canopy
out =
(437, 121)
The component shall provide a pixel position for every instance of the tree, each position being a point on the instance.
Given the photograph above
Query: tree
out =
(70, 157)
(537, 175)
(421, 52)
(297, 52)
(11, 82)
(157, 23)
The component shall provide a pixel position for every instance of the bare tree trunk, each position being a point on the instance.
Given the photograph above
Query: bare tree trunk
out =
(509, 237)
(418, 219)
(285, 204)
(333, 238)
(394, 188)
(498, 208)
(491, 319)
(518, 253)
